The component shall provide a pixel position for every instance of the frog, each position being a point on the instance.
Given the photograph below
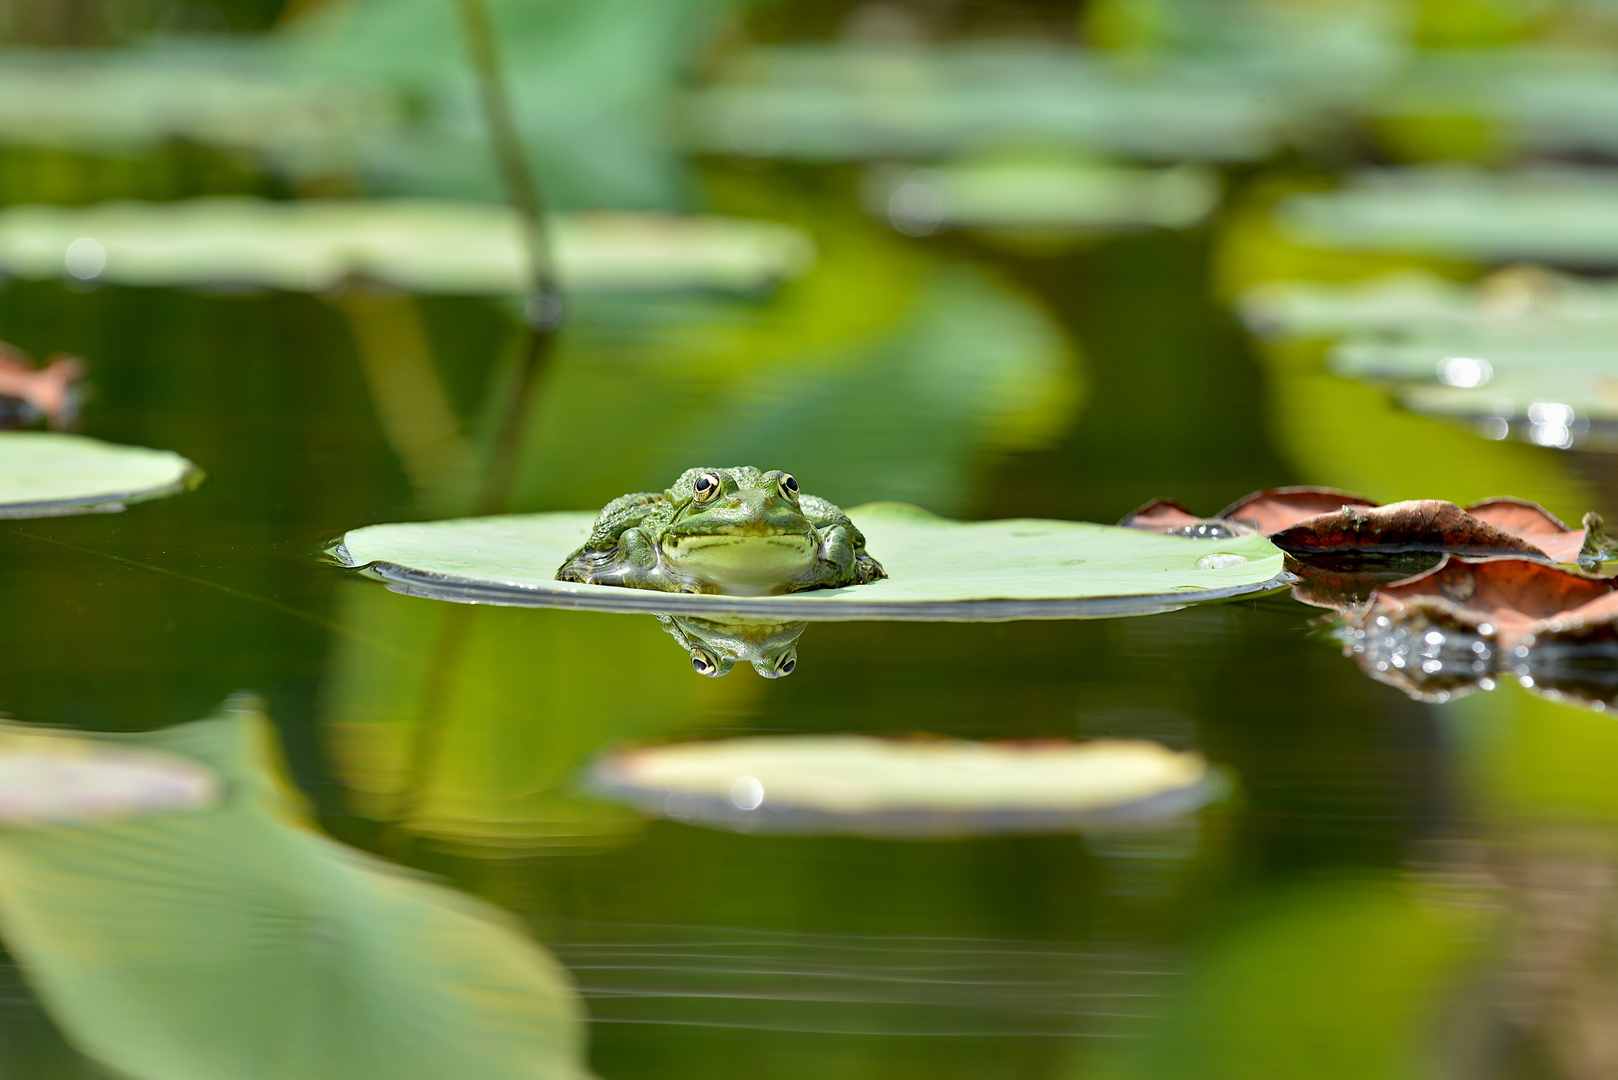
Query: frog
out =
(716, 644)
(737, 531)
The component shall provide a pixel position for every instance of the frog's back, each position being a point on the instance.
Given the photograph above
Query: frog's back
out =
(625, 512)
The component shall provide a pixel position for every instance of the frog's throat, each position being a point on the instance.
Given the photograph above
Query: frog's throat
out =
(743, 565)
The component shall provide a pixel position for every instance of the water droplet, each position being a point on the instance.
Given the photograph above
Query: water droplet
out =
(1219, 560)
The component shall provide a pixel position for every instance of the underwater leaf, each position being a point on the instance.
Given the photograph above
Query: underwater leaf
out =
(1563, 215)
(50, 777)
(416, 244)
(43, 474)
(240, 942)
(937, 568)
(906, 787)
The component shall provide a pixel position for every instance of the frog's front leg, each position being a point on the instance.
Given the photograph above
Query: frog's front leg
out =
(841, 562)
(633, 562)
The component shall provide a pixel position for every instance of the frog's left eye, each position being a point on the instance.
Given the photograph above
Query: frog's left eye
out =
(703, 663)
(706, 488)
(786, 663)
(788, 485)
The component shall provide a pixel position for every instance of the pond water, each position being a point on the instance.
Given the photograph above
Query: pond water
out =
(1386, 888)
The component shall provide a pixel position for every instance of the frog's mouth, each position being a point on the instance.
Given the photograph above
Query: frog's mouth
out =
(743, 565)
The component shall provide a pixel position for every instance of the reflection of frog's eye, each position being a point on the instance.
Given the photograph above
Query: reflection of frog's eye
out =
(789, 485)
(706, 488)
(702, 662)
(787, 662)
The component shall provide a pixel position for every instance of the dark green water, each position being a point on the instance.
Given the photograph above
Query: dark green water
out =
(1324, 920)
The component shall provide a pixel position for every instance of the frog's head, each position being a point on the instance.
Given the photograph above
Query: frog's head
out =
(715, 645)
(740, 528)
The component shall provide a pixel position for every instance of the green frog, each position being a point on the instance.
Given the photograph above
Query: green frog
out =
(715, 645)
(737, 531)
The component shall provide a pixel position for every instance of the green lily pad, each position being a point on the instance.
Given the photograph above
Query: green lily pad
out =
(905, 787)
(938, 569)
(1040, 193)
(44, 474)
(239, 942)
(420, 245)
(1565, 215)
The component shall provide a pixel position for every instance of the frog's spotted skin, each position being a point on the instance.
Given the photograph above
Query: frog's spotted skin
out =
(737, 531)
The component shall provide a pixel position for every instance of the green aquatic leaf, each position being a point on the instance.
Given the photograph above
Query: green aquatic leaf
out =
(239, 942)
(1011, 193)
(438, 719)
(1566, 215)
(907, 787)
(421, 245)
(937, 569)
(43, 474)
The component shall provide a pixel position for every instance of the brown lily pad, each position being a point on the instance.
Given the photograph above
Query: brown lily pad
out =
(50, 391)
(1269, 511)
(1308, 522)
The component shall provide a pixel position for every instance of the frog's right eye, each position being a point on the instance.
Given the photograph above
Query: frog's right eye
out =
(706, 488)
(703, 663)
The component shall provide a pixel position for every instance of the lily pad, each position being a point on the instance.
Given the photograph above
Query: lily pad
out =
(1012, 194)
(50, 777)
(45, 474)
(907, 787)
(1563, 215)
(239, 942)
(938, 569)
(417, 244)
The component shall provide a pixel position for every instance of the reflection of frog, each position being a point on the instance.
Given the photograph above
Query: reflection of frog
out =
(715, 645)
(737, 531)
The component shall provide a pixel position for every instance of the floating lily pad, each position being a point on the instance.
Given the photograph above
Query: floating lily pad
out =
(239, 942)
(938, 569)
(1465, 623)
(50, 777)
(905, 787)
(1042, 193)
(417, 244)
(44, 474)
(1565, 215)
(1312, 521)
(841, 102)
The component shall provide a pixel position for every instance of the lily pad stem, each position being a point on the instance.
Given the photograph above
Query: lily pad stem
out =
(543, 308)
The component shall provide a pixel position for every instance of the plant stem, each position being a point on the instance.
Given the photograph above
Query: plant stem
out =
(543, 309)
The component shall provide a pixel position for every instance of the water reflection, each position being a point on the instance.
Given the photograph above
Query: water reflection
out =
(715, 645)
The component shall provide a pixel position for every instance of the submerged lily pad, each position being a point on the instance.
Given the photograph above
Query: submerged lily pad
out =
(937, 568)
(44, 474)
(239, 942)
(417, 244)
(906, 787)
(1563, 215)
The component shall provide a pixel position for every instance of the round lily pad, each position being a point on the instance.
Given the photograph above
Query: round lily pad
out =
(905, 787)
(937, 568)
(44, 474)
(418, 244)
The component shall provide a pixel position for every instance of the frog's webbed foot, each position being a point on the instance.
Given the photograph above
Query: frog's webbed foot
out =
(632, 562)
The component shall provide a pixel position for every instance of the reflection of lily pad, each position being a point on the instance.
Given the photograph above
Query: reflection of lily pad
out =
(1041, 193)
(938, 569)
(424, 245)
(43, 474)
(1561, 215)
(238, 942)
(852, 783)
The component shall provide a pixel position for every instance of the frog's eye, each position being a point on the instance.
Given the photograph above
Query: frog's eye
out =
(788, 485)
(706, 488)
(703, 663)
(786, 663)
